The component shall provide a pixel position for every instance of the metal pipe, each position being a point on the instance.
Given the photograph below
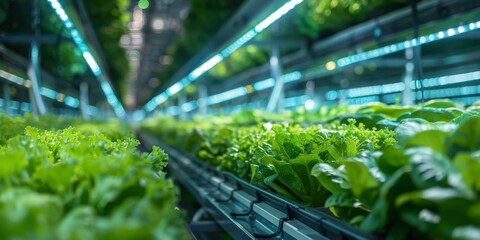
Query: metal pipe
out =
(38, 105)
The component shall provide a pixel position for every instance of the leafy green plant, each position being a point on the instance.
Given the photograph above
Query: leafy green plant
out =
(83, 184)
(403, 173)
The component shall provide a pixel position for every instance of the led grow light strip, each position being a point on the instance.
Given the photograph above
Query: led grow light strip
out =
(87, 55)
(386, 88)
(397, 47)
(44, 91)
(333, 94)
(240, 91)
(400, 86)
(23, 106)
(212, 62)
(331, 65)
(393, 48)
(345, 61)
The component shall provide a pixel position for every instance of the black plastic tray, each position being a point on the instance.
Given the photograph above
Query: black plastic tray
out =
(246, 211)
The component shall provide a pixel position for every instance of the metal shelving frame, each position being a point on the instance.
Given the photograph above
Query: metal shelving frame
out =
(246, 211)
(309, 63)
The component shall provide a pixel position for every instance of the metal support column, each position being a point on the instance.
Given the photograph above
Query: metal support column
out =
(310, 102)
(202, 103)
(6, 97)
(84, 100)
(343, 93)
(38, 106)
(407, 95)
(275, 103)
(417, 52)
(182, 99)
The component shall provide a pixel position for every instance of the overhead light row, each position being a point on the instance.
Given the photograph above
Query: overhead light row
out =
(87, 55)
(345, 61)
(212, 62)
(400, 86)
(392, 48)
(44, 91)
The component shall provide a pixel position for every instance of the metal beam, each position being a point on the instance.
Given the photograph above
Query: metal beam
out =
(281, 42)
(275, 103)
(84, 100)
(395, 22)
(36, 99)
(6, 97)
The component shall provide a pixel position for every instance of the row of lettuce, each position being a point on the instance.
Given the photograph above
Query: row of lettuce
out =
(69, 179)
(399, 172)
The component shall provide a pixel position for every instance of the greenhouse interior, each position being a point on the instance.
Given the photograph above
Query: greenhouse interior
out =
(239, 119)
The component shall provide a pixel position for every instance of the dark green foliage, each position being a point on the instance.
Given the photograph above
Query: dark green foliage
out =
(419, 182)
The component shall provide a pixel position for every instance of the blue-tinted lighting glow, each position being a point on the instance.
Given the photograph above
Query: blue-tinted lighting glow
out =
(49, 93)
(291, 77)
(174, 88)
(375, 90)
(331, 95)
(264, 84)
(257, 86)
(87, 55)
(391, 98)
(228, 95)
(72, 102)
(238, 43)
(11, 77)
(466, 100)
(173, 110)
(92, 109)
(451, 79)
(44, 91)
(14, 105)
(451, 92)
(309, 104)
(451, 32)
(157, 100)
(107, 89)
(362, 100)
(189, 106)
(345, 61)
(440, 34)
(390, 91)
(25, 107)
(160, 98)
(206, 66)
(295, 101)
(92, 63)
(276, 15)
(195, 74)
(138, 115)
